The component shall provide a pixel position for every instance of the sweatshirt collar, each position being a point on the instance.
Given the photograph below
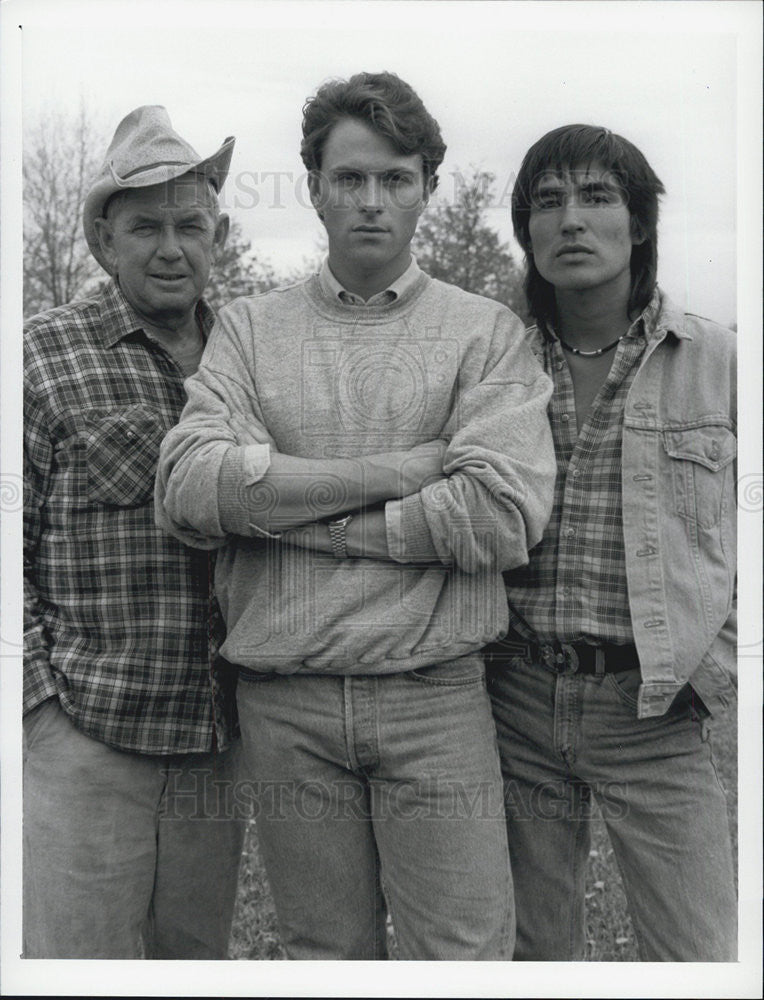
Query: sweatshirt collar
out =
(335, 291)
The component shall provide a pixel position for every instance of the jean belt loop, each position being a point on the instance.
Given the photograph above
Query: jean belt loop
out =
(599, 662)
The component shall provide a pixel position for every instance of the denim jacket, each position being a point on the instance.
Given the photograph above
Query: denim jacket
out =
(678, 478)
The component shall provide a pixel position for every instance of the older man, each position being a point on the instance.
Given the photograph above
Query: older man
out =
(127, 729)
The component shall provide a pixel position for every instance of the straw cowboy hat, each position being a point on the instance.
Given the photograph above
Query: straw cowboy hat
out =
(147, 150)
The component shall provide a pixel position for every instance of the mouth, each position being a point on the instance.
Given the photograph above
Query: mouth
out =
(168, 279)
(574, 249)
(369, 229)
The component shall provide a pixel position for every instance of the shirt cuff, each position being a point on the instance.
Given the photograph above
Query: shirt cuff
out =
(408, 535)
(241, 469)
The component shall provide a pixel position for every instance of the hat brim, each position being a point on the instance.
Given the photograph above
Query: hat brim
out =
(215, 168)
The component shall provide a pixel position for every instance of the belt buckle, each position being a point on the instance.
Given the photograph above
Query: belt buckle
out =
(559, 656)
(571, 657)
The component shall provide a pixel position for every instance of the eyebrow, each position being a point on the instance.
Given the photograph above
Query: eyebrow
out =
(188, 215)
(593, 187)
(355, 169)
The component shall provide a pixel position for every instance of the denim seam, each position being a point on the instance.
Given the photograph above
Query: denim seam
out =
(582, 827)
(347, 718)
(705, 736)
(628, 893)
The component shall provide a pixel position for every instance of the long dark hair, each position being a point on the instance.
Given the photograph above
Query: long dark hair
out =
(571, 147)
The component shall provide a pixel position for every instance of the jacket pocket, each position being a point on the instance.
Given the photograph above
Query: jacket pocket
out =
(121, 453)
(700, 460)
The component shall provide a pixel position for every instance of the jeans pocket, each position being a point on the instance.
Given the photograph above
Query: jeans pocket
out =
(689, 703)
(625, 683)
(256, 676)
(467, 670)
(35, 721)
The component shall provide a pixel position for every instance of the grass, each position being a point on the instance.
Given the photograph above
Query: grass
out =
(609, 933)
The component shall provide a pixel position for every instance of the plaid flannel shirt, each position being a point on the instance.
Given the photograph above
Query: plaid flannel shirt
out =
(119, 621)
(574, 586)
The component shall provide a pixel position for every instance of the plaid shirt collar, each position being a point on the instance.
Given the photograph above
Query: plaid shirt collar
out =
(119, 319)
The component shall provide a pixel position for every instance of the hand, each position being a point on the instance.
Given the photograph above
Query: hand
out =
(410, 471)
(424, 465)
(314, 536)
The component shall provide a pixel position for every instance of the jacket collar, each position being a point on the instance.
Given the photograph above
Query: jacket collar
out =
(119, 319)
(659, 317)
(666, 318)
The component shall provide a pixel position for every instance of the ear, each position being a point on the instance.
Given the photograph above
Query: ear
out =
(314, 190)
(105, 234)
(637, 236)
(429, 187)
(221, 231)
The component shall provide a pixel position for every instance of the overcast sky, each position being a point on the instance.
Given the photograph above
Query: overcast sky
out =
(496, 76)
(681, 80)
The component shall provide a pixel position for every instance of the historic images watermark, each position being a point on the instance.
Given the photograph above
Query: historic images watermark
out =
(199, 795)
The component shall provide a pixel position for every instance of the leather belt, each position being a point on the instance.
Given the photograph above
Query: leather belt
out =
(564, 657)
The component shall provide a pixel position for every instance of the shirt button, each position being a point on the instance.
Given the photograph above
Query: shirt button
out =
(565, 417)
(576, 473)
(570, 532)
(566, 591)
(559, 366)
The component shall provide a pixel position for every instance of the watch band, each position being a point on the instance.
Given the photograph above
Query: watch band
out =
(338, 536)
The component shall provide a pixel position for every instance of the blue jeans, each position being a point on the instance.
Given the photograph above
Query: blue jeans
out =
(565, 738)
(124, 854)
(380, 789)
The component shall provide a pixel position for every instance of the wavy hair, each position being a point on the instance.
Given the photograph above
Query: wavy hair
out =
(383, 101)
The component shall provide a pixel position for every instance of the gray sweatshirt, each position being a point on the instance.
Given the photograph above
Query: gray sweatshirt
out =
(311, 377)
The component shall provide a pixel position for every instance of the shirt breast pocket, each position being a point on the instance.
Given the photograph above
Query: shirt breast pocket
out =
(701, 460)
(121, 452)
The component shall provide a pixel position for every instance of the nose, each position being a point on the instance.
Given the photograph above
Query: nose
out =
(168, 249)
(572, 218)
(370, 195)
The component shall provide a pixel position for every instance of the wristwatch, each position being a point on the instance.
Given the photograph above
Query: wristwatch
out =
(338, 536)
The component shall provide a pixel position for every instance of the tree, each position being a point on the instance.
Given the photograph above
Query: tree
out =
(61, 157)
(237, 271)
(455, 243)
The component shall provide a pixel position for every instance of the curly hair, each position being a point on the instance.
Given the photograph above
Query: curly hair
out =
(383, 101)
(571, 147)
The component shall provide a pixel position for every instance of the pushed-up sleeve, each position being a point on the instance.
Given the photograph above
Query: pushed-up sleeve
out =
(496, 498)
(220, 445)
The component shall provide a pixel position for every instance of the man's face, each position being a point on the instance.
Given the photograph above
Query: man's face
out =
(369, 197)
(580, 230)
(159, 242)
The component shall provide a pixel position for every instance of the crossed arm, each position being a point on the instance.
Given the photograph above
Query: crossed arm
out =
(478, 498)
(220, 474)
(361, 483)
